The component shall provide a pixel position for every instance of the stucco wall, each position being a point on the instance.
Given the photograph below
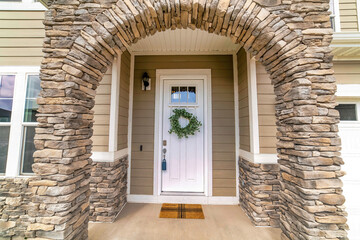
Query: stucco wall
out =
(223, 120)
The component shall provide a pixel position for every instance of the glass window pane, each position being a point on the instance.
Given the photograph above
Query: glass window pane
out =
(32, 92)
(183, 94)
(175, 95)
(192, 95)
(347, 112)
(4, 144)
(7, 83)
(28, 150)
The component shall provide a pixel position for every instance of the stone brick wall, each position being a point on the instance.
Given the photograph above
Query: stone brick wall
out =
(16, 209)
(108, 189)
(259, 192)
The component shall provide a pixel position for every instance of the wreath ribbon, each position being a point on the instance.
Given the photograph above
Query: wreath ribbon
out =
(190, 129)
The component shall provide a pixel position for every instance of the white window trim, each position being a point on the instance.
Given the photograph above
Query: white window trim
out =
(13, 164)
(336, 15)
(25, 5)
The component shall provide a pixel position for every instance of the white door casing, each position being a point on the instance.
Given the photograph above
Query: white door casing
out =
(203, 183)
(185, 156)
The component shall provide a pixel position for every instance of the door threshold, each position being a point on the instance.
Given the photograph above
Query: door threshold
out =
(182, 194)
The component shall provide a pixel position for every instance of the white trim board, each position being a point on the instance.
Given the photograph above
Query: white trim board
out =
(253, 105)
(348, 90)
(114, 103)
(258, 158)
(183, 74)
(236, 115)
(25, 5)
(130, 118)
(206, 200)
(109, 156)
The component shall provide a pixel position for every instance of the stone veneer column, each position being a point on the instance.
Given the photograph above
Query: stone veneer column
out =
(69, 78)
(259, 192)
(108, 183)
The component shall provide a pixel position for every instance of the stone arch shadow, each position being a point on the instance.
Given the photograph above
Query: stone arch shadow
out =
(297, 60)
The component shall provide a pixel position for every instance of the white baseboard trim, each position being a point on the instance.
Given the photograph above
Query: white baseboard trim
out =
(258, 158)
(134, 198)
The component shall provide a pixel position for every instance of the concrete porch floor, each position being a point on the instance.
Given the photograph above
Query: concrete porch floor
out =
(141, 221)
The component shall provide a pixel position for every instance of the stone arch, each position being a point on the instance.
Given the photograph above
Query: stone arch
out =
(290, 39)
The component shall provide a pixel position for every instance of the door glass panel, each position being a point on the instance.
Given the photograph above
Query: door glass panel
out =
(175, 94)
(32, 92)
(7, 83)
(192, 95)
(4, 144)
(183, 94)
(28, 150)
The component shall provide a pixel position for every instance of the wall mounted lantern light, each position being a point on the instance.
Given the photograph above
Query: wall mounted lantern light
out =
(146, 82)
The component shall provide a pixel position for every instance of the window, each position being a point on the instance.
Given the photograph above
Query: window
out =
(19, 88)
(347, 112)
(183, 94)
(7, 83)
(29, 123)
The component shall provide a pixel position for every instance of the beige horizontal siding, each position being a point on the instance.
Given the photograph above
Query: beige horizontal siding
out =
(348, 16)
(102, 114)
(347, 72)
(224, 180)
(123, 101)
(243, 101)
(21, 37)
(266, 111)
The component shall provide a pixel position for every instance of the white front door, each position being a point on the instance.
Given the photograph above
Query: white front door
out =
(184, 157)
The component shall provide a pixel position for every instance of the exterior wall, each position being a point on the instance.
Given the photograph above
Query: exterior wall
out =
(347, 72)
(21, 37)
(266, 111)
(16, 208)
(348, 16)
(222, 112)
(244, 120)
(259, 192)
(108, 183)
(124, 101)
(101, 110)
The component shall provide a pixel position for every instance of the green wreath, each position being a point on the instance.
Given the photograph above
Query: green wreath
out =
(190, 129)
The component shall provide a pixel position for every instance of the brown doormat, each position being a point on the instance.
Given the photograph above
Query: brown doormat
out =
(188, 211)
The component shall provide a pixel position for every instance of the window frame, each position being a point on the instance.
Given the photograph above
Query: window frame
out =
(17, 124)
(335, 14)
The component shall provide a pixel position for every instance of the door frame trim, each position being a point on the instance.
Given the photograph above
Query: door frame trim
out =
(183, 74)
